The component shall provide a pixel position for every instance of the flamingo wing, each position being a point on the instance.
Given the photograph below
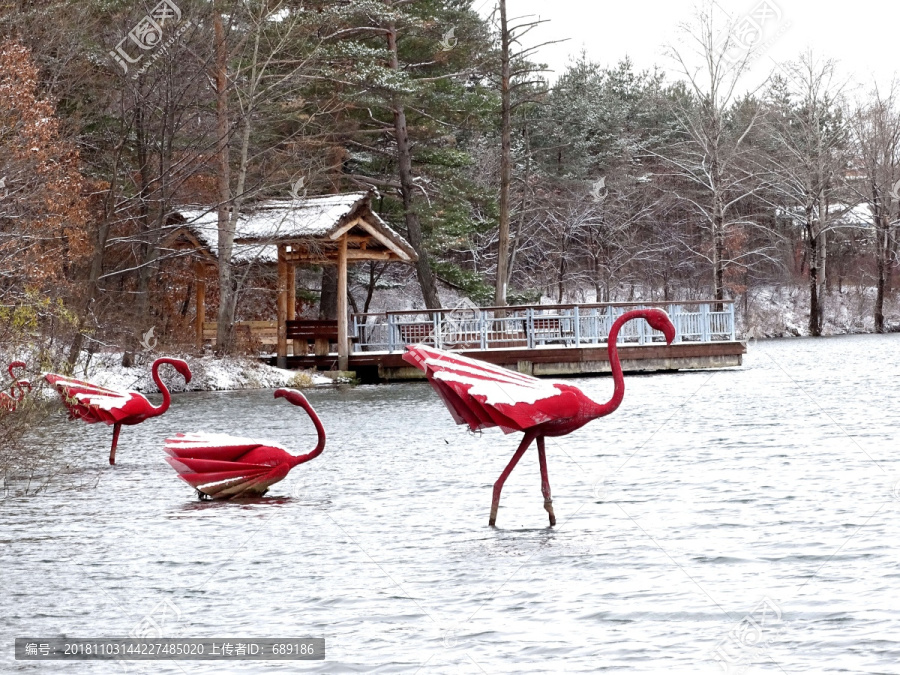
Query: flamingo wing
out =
(484, 395)
(211, 464)
(90, 402)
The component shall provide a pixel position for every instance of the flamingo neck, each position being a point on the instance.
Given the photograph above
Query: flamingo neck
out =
(167, 397)
(18, 385)
(602, 409)
(320, 431)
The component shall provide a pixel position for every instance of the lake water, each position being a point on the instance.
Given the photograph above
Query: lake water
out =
(753, 511)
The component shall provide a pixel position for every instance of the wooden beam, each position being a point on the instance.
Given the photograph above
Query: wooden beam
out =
(343, 341)
(337, 234)
(282, 304)
(357, 254)
(292, 304)
(310, 259)
(352, 254)
(171, 241)
(403, 255)
(200, 298)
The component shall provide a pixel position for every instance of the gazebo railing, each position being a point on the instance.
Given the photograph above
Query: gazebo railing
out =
(537, 326)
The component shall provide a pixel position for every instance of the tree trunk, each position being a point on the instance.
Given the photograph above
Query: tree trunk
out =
(881, 244)
(821, 258)
(811, 254)
(143, 286)
(96, 268)
(505, 164)
(815, 329)
(374, 275)
(404, 167)
(718, 235)
(718, 259)
(226, 225)
(328, 296)
(92, 288)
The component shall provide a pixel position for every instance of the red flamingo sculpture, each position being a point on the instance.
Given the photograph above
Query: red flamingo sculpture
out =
(221, 467)
(484, 395)
(10, 401)
(91, 403)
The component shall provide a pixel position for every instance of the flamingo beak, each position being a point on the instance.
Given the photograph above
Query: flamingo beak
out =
(663, 324)
(669, 332)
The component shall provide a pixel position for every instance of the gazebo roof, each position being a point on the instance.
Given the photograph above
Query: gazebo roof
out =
(314, 224)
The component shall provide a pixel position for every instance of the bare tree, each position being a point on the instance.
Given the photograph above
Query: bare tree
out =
(710, 155)
(272, 60)
(515, 74)
(806, 161)
(876, 135)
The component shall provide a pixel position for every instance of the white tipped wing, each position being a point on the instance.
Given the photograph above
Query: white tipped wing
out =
(483, 395)
(208, 440)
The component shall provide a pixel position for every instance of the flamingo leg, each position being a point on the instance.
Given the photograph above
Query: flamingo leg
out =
(545, 481)
(112, 453)
(498, 486)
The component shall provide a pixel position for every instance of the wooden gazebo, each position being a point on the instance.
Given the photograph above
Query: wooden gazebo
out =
(328, 230)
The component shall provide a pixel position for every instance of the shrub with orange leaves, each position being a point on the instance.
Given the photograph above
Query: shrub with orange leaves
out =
(43, 212)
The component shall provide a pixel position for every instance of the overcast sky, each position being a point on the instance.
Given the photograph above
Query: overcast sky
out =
(862, 35)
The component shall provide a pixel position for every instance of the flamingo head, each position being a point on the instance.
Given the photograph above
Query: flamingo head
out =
(16, 365)
(181, 367)
(299, 400)
(660, 321)
(293, 396)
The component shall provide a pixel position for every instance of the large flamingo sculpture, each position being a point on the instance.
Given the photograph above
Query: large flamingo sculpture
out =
(221, 467)
(91, 403)
(483, 395)
(10, 401)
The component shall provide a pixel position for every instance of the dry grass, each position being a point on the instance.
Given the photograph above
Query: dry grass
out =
(301, 380)
(29, 460)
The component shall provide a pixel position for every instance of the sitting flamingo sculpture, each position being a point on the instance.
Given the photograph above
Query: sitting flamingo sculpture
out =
(10, 401)
(484, 395)
(221, 467)
(91, 403)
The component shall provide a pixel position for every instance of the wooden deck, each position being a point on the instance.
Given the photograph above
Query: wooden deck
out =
(555, 361)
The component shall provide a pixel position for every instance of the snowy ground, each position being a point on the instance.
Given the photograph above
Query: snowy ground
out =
(783, 311)
(208, 374)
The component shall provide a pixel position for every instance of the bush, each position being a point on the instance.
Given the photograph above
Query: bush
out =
(301, 380)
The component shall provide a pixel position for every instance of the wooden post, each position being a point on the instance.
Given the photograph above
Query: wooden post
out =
(343, 343)
(200, 297)
(281, 360)
(292, 303)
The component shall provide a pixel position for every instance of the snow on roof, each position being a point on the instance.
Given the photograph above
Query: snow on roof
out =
(859, 215)
(287, 219)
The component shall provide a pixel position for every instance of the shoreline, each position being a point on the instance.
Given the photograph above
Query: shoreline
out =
(208, 373)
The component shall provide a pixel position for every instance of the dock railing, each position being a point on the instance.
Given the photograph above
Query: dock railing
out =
(536, 326)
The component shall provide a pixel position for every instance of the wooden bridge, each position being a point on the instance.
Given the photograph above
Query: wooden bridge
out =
(343, 229)
(556, 340)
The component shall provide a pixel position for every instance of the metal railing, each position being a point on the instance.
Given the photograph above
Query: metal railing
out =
(469, 327)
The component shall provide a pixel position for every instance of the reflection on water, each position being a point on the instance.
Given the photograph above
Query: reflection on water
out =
(753, 511)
